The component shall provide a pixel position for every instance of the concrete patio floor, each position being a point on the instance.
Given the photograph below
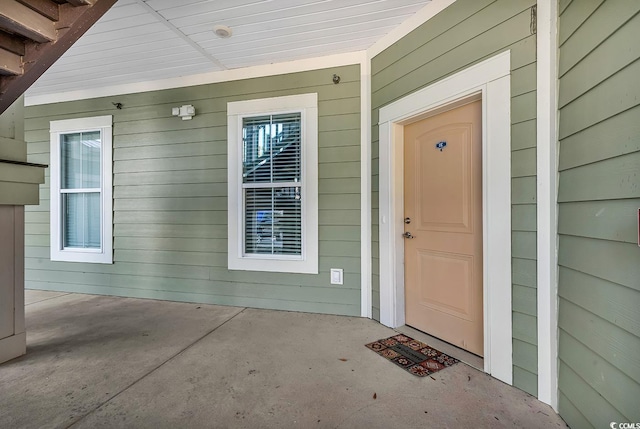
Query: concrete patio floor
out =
(108, 362)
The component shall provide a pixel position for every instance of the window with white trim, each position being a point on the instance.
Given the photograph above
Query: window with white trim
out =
(81, 190)
(273, 184)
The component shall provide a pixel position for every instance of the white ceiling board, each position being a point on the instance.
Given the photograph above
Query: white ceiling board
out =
(151, 66)
(125, 17)
(135, 77)
(147, 40)
(127, 60)
(253, 26)
(123, 37)
(297, 26)
(122, 10)
(160, 5)
(374, 24)
(141, 43)
(219, 9)
(293, 47)
(301, 53)
(265, 12)
(312, 38)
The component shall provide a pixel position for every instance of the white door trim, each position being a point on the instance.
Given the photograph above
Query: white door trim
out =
(491, 81)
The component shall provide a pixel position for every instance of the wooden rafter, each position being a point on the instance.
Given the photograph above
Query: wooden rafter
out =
(43, 7)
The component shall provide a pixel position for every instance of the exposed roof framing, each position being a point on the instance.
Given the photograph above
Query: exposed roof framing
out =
(34, 34)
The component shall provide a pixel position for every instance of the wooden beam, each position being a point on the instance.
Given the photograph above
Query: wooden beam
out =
(12, 43)
(81, 2)
(43, 7)
(39, 58)
(69, 14)
(10, 63)
(18, 18)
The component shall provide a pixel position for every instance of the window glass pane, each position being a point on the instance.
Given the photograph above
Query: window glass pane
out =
(273, 221)
(81, 220)
(271, 148)
(80, 156)
(71, 159)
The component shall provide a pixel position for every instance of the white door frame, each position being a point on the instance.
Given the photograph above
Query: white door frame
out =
(489, 80)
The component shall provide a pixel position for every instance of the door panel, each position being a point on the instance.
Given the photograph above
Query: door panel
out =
(445, 203)
(454, 271)
(443, 200)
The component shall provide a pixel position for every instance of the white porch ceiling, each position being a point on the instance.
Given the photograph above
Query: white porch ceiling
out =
(149, 40)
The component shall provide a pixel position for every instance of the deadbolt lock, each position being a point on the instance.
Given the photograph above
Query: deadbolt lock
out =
(407, 220)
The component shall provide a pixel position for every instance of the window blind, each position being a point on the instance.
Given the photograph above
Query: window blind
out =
(272, 184)
(80, 189)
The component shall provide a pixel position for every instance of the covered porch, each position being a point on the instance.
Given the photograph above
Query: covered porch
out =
(104, 361)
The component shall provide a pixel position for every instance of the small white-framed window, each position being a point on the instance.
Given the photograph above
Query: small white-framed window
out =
(81, 190)
(273, 184)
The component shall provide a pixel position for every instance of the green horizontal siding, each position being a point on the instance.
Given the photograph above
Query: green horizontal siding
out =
(614, 178)
(170, 198)
(613, 220)
(585, 147)
(599, 196)
(463, 34)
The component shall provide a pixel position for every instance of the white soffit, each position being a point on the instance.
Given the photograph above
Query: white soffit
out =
(149, 40)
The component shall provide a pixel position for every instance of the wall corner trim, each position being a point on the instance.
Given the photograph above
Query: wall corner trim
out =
(365, 188)
(547, 201)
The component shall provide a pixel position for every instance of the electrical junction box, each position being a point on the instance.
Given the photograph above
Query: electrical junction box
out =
(337, 276)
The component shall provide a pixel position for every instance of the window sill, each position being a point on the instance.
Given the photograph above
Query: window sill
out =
(274, 265)
(90, 257)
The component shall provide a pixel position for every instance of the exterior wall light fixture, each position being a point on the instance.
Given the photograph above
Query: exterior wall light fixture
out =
(186, 112)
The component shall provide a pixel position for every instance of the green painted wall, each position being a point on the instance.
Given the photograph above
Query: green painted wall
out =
(12, 145)
(170, 198)
(18, 183)
(599, 197)
(465, 33)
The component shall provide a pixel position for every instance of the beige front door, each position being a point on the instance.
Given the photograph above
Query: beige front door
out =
(443, 226)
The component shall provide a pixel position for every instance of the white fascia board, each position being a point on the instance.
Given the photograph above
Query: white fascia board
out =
(317, 63)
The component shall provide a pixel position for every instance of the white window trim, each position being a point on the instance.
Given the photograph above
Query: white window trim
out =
(307, 104)
(104, 255)
(489, 79)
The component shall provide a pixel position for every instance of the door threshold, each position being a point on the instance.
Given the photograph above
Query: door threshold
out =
(469, 358)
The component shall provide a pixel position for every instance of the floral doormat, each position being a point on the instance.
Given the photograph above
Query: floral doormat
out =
(412, 355)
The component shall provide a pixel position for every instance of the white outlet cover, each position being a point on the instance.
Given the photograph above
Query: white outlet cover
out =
(336, 276)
